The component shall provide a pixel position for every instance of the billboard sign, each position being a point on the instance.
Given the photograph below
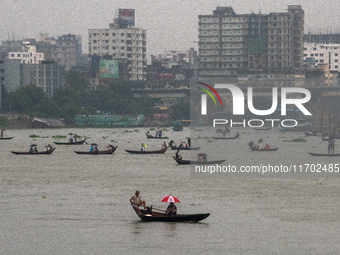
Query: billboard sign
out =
(108, 69)
(126, 17)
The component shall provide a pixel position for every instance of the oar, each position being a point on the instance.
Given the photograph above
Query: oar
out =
(158, 209)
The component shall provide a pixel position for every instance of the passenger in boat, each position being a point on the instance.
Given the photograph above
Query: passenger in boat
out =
(91, 149)
(267, 147)
(71, 138)
(171, 210)
(157, 132)
(35, 150)
(96, 149)
(48, 147)
(148, 133)
(189, 142)
(204, 158)
(331, 147)
(136, 201)
(75, 138)
(160, 133)
(177, 155)
(31, 150)
(261, 144)
(111, 147)
(180, 146)
(143, 147)
(237, 134)
(164, 145)
(186, 146)
(224, 132)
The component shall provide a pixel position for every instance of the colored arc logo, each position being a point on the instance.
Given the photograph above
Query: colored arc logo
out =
(207, 91)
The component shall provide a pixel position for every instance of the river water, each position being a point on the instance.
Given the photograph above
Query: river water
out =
(65, 203)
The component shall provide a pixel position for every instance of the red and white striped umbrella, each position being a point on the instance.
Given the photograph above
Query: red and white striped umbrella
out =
(169, 199)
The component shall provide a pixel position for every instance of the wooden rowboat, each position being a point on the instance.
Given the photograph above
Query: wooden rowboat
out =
(188, 162)
(262, 128)
(326, 155)
(154, 137)
(254, 148)
(149, 215)
(218, 137)
(184, 148)
(36, 153)
(73, 143)
(148, 152)
(106, 152)
(6, 138)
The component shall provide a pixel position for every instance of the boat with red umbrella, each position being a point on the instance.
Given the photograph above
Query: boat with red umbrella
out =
(163, 216)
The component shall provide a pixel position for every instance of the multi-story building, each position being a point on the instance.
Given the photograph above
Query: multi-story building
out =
(66, 50)
(318, 53)
(123, 42)
(231, 43)
(28, 55)
(327, 38)
(47, 75)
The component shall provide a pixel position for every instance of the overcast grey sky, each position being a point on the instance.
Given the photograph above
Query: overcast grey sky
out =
(170, 24)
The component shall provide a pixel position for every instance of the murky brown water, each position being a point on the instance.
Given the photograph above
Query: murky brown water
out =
(66, 203)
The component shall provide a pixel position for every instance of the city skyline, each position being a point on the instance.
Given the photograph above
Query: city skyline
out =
(170, 25)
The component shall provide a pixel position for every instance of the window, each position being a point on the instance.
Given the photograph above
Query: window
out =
(94, 34)
(321, 54)
(316, 54)
(106, 41)
(336, 61)
(336, 54)
(2, 70)
(114, 48)
(122, 34)
(18, 55)
(113, 41)
(336, 67)
(113, 34)
(314, 48)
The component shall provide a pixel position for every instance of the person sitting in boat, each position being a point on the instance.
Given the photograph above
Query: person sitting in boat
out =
(91, 149)
(224, 132)
(177, 155)
(261, 147)
(160, 133)
(189, 142)
(31, 150)
(237, 134)
(186, 146)
(148, 133)
(164, 145)
(143, 146)
(181, 146)
(96, 149)
(171, 210)
(172, 143)
(111, 147)
(204, 158)
(136, 201)
(71, 138)
(267, 147)
(48, 147)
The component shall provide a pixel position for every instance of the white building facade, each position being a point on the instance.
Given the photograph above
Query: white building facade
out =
(323, 54)
(125, 44)
(29, 55)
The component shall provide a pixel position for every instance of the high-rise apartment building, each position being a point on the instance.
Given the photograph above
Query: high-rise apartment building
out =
(123, 42)
(230, 43)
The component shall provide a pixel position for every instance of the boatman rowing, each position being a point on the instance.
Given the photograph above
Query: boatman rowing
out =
(136, 201)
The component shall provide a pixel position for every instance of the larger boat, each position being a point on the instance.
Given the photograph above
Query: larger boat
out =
(104, 152)
(301, 126)
(149, 215)
(193, 162)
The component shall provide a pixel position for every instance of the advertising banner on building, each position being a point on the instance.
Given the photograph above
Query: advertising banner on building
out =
(126, 17)
(109, 69)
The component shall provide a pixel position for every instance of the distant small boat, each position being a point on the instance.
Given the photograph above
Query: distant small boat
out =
(254, 148)
(97, 153)
(188, 162)
(262, 128)
(154, 137)
(73, 143)
(161, 151)
(6, 138)
(232, 137)
(325, 155)
(35, 153)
